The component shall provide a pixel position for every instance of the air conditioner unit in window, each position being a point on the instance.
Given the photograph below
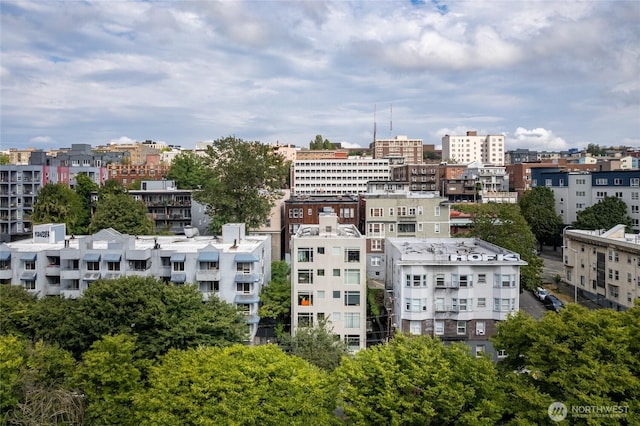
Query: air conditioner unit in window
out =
(480, 333)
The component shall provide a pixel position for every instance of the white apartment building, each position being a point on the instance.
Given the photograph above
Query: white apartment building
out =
(471, 147)
(336, 176)
(400, 146)
(328, 279)
(603, 266)
(233, 268)
(457, 289)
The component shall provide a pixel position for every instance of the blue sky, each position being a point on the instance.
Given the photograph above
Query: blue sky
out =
(548, 75)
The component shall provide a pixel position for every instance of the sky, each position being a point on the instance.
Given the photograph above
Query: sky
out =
(549, 75)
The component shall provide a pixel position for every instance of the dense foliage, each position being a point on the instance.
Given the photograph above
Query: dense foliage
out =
(56, 203)
(319, 143)
(188, 170)
(242, 182)
(122, 213)
(539, 210)
(317, 344)
(607, 213)
(276, 296)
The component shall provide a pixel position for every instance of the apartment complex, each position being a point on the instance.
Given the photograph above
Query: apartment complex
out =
(336, 176)
(458, 289)
(421, 177)
(399, 147)
(18, 188)
(603, 266)
(233, 268)
(471, 147)
(328, 279)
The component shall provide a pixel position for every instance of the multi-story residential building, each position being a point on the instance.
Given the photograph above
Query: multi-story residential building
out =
(328, 279)
(306, 210)
(321, 154)
(520, 174)
(151, 169)
(233, 268)
(574, 191)
(288, 151)
(391, 210)
(422, 177)
(138, 151)
(457, 289)
(171, 209)
(18, 188)
(470, 148)
(603, 265)
(337, 176)
(400, 146)
(19, 157)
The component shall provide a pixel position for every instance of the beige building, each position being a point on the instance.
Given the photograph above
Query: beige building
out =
(603, 266)
(471, 147)
(400, 146)
(328, 279)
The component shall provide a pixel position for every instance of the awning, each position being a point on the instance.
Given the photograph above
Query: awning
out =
(245, 257)
(246, 278)
(91, 276)
(91, 257)
(29, 257)
(112, 257)
(178, 278)
(5, 255)
(178, 257)
(28, 276)
(111, 276)
(208, 256)
(247, 298)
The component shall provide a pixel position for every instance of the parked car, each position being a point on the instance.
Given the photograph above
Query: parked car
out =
(553, 303)
(541, 293)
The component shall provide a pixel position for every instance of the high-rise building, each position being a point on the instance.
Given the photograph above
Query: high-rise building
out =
(471, 147)
(399, 147)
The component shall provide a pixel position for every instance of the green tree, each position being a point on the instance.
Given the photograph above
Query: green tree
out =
(418, 381)
(504, 226)
(188, 170)
(56, 203)
(238, 385)
(110, 375)
(607, 213)
(596, 150)
(122, 213)
(16, 307)
(85, 188)
(13, 356)
(276, 296)
(159, 315)
(318, 345)
(538, 208)
(243, 181)
(111, 187)
(4, 159)
(578, 357)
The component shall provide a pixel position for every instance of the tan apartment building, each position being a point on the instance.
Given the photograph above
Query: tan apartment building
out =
(400, 146)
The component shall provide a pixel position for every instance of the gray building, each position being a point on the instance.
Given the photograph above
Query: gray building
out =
(233, 268)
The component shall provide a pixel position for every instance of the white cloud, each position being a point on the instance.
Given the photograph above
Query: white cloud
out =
(122, 140)
(538, 139)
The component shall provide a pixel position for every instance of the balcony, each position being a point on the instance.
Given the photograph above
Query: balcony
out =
(69, 274)
(208, 275)
(52, 270)
(447, 308)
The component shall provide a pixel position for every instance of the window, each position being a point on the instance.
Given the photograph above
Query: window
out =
(305, 255)
(29, 265)
(244, 308)
(504, 280)
(352, 320)
(480, 327)
(352, 298)
(352, 255)
(376, 212)
(295, 213)
(439, 328)
(436, 211)
(436, 228)
(479, 351)
(336, 294)
(347, 213)
(617, 181)
(305, 319)
(376, 260)
(74, 285)
(320, 250)
(352, 341)
(93, 266)
(415, 327)
(113, 266)
(320, 294)
(634, 182)
(482, 302)
(305, 298)
(376, 245)
(320, 272)
(30, 284)
(336, 272)
(244, 288)
(305, 276)
(208, 266)
(462, 327)
(375, 230)
(439, 279)
(482, 278)
(416, 280)
(465, 304)
(602, 181)
(391, 212)
(502, 353)
(309, 211)
(336, 316)
(210, 286)
(166, 262)
(352, 276)
(465, 281)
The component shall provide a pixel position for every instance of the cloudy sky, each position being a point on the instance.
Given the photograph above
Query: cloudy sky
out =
(549, 75)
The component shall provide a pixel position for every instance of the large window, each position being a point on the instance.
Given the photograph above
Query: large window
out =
(305, 298)
(352, 298)
(352, 276)
(406, 227)
(305, 255)
(93, 266)
(208, 266)
(209, 286)
(138, 265)
(352, 320)
(415, 280)
(504, 280)
(352, 255)
(415, 327)
(462, 327)
(305, 319)
(416, 305)
(439, 328)
(375, 230)
(305, 276)
(352, 341)
(376, 212)
(113, 266)
(243, 267)
(244, 288)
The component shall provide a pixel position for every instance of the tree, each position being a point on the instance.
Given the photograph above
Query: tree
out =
(110, 375)
(242, 183)
(188, 170)
(122, 213)
(276, 296)
(596, 150)
(578, 357)
(504, 226)
(85, 188)
(159, 315)
(111, 187)
(321, 144)
(418, 381)
(56, 203)
(237, 385)
(318, 345)
(607, 213)
(538, 208)
(4, 159)
(16, 307)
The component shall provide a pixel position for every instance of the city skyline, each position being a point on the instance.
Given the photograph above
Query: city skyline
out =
(549, 76)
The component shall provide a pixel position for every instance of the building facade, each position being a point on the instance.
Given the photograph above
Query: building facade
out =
(233, 268)
(18, 188)
(457, 289)
(603, 266)
(471, 147)
(400, 146)
(328, 280)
